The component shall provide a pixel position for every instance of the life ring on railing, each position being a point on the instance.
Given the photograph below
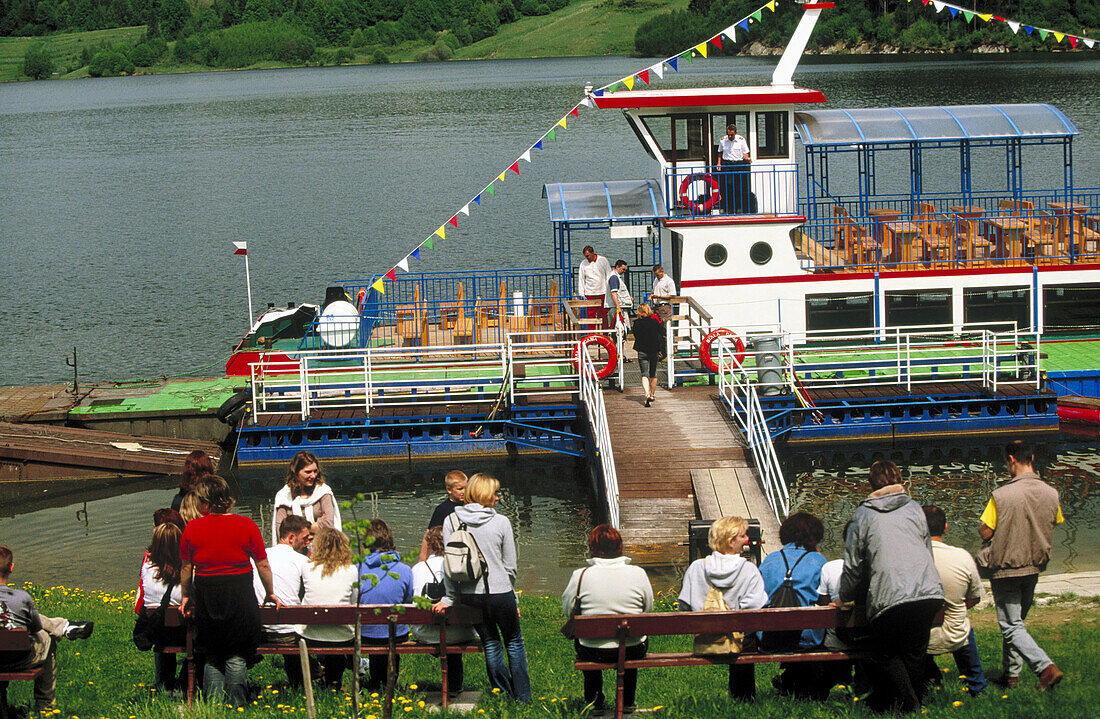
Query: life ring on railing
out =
(603, 341)
(705, 355)
(698, 208)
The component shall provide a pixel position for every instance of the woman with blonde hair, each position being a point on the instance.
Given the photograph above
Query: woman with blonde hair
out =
(305, 494)
(330, 578)
(494, 594)
(649, 340)
(736, 578)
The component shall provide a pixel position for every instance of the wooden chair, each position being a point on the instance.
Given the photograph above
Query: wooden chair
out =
(412, 327)
(546, 313)
(448, 311)
(465, 330)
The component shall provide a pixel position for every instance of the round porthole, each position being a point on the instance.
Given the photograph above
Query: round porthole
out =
(761, 253)
(715, 255)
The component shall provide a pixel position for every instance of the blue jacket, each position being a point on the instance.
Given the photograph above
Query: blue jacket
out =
(806, 579)
(388, 590)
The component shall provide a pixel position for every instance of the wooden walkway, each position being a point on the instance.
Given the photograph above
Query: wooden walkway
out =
(656, 448)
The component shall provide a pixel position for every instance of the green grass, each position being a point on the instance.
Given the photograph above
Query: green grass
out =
(106, 677)
(582, 28)
(65, 48)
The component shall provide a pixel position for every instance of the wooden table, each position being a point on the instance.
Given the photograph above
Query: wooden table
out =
(970, 216)
(896, 237)
(1064, 212)
(1007, 236)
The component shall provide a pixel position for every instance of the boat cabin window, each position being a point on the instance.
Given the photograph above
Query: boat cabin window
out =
(836, 312)
(718, 123)
(682, 138)
(1068, 308)
(982, 305)
(911, 308)
(771, 134)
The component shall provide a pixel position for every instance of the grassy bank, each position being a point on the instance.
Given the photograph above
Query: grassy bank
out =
(106, 677)
(65, 48)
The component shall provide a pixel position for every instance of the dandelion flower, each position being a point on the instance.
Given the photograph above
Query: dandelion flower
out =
(956, 704)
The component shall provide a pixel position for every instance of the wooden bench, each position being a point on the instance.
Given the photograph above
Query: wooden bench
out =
(328, 615)
(14, 640)
(625, 626)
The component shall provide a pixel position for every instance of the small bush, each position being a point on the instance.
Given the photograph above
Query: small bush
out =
(142, 56)
(249, 43)
(157, 46)
(186, 49)
(38, 62)
(380, 58)
(108, 63)
(343, 56)
(450, 40)
(357, 38)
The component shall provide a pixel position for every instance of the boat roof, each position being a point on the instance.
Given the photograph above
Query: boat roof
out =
(881, 125)
(617, 200)
(707, 97)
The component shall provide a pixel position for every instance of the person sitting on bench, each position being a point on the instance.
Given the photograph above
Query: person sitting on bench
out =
(18, 611)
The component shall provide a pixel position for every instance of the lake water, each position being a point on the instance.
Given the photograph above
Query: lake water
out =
(119, 199)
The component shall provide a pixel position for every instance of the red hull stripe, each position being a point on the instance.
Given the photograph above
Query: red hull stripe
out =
(730, 281)
(753, 220)
(819, 6)
(628, 99)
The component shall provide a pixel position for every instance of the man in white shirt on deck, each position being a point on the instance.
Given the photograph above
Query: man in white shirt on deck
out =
(664, 289)
(733, 168)
(592, 282)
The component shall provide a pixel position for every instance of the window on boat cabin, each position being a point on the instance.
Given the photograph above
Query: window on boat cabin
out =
(771, 134)
(718, 123)
(838, 312)
(985, 305)
(682, 138)
(918, 308)
(1071, 308)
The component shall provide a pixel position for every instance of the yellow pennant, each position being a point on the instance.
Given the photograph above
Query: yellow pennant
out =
(629, 82)
(441, 232)
(771, 5)
(1058, 36)
(562, 122)
(987, 18)
(701, 49)
(378, 286)
(501, 176)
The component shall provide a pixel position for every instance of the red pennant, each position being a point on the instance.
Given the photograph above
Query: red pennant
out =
(998, 17)
(515, 167)
(392, 274)
(644, 75)
(453, 221)
(925, 2)
(1073, 42)
(717, 40)
(574, 112)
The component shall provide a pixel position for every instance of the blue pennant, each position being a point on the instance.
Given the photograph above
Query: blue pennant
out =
(1028, 29)
(477, 199)
(598, 93)
(538, 145)
(744, 24)
(671, 63)
(415, 253)
(953, 10)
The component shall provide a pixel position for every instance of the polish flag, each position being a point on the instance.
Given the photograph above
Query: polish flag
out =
(241, 248)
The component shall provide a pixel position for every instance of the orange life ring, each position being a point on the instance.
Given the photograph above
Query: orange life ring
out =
(688, 201)
(705, 355)
(604, 341)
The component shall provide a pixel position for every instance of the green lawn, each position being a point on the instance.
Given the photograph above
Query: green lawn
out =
(65, 48)
(106, 676)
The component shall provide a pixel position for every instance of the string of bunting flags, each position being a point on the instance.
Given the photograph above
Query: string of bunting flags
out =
(645, 75)
(1014, 25)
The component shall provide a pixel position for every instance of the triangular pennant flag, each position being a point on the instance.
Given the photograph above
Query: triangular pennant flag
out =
(938, 5)
(491, 190)
(744, 24)
(377, 286)
(967, 15)
(1043, 34)
(756, 15)
(514, 167)
(598, 93)
(771, 5)
(442, 232)
(1058, 37)
(953, 10)
(613, 87)
(465, 209)
(1089, 42)
(688, 56)
(987, 18)
(404, 264)
(925, 2)
(1028, 29)
(629, 82)
(672, 63)
(574, 112)
(717, 41)
(1014, 26)
(701, 48)
(538, 145)
(526, 156)
(644, 75)
(588, 102)
(998, 18)
(415, 253)
(562, 122)
(453, 220)
(429, 243)
(659, 68)
(1073, 42)
(552, 134)
(500, 177)
(477, 200)
(392, 274)
(731, 33)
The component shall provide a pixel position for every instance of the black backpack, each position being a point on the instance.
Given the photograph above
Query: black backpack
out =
(785, 595)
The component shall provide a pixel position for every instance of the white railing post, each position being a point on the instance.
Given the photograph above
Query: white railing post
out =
(908, 365)
(256, 404)
(303, 386)
(670, 354)
(511, 371)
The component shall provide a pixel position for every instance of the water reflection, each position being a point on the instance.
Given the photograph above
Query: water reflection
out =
(959, 477)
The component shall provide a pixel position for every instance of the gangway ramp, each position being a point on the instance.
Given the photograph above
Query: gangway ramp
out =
(656, 448)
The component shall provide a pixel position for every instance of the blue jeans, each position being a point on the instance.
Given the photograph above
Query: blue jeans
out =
(1012, 597)
(967, 662)
(501, 633)
(226, 677)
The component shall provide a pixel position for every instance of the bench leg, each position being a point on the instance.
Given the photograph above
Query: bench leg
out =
(307, 679)
(444, 684)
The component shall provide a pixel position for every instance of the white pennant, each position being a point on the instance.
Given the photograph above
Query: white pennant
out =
(526, 157)
(1014, 25)
(404, 264)
(587, 101)
(465, 209)
(938, 5)
(731, 32)
(1088, 42)
(659, 69)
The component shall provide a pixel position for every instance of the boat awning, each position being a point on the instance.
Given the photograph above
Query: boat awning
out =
(619, 200)
(884, 125)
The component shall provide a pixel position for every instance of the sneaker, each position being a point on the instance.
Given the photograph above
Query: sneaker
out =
(1049, 678)
(648, 401)
(79, 630)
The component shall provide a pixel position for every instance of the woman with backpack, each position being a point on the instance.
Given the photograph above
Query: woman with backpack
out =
(726, 580)
(791, 578)
(427, 581)
(480, 571)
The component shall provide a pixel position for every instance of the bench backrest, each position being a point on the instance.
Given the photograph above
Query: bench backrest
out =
(603, 626)
(14, 640)
(369, 614)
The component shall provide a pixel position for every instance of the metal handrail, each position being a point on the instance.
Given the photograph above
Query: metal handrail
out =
(592, 398)
(744, 403)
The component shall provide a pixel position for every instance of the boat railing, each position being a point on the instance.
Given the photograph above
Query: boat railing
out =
(549, 363)
(740, 394)
(757, 189)
(443, 286)
(592, 397)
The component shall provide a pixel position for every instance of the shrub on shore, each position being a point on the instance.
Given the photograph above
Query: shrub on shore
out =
(38, 63)
(250, 43)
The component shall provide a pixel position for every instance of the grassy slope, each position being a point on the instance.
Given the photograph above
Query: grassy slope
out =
(582, 28)
(106, 677)
(65, 47)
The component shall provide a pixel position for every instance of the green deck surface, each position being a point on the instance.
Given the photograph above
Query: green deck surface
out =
(201, 395)
(1071, 355)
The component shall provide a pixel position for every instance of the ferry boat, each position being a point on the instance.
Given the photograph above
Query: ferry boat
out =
(863, 243)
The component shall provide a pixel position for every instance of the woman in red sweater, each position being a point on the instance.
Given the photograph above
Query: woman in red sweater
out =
(216, 581)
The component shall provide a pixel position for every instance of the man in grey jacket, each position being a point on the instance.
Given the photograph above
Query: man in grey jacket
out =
(888, 565)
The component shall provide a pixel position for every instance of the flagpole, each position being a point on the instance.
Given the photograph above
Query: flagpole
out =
(248, 284)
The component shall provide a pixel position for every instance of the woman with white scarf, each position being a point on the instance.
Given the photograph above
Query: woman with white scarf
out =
(306, 495)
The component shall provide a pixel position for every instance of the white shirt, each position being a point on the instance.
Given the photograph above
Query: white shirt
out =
(288, 570)
(592, 276)
(830, 580)
(735, 149)
(625, 300)
(959, 575)
(431, 570)
(336, 588)
(153, 589)
(664, 287)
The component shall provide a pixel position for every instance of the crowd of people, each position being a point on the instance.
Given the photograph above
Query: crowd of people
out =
(215, 567)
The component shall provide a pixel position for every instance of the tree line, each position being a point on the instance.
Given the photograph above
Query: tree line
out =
(874, 24)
